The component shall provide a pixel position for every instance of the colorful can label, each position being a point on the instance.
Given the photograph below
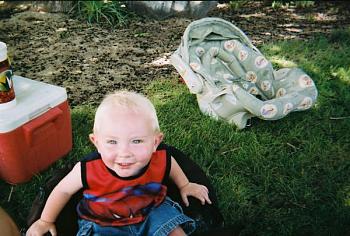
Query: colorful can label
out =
(7, 92)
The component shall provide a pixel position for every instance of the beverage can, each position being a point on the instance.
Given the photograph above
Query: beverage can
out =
(7, 93)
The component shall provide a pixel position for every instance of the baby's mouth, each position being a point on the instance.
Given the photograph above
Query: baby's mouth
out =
(125, 165)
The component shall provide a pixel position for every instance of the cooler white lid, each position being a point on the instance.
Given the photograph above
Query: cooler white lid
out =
(33, 99)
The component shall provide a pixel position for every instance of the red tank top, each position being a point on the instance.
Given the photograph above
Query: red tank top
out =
(110, 200)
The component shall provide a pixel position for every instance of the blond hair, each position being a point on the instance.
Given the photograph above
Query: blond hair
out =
(127, 101)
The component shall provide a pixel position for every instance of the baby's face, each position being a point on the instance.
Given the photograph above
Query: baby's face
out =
(126, 141)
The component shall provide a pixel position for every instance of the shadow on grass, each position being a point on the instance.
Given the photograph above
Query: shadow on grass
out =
(285, 177)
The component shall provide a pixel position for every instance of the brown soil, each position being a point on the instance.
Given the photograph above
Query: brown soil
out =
(89, 60)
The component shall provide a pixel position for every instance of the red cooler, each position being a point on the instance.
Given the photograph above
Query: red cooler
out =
(34, 133)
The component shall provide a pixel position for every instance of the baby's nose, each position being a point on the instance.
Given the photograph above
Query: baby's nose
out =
(124, 151)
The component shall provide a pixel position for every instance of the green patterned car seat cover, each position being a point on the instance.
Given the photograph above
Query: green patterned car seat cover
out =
(233, 80)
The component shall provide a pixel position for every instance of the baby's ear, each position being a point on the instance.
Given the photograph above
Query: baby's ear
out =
(92, 138)
(158, 139)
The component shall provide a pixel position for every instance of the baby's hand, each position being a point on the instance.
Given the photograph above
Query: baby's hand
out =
(41, 227)
(196, 190)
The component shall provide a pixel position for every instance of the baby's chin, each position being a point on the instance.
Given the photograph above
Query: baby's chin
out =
(126, 173)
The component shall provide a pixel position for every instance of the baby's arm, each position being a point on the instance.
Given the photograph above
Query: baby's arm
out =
(58, 198)
(186, 187)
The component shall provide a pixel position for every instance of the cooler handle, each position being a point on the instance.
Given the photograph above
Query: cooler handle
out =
(48, 117)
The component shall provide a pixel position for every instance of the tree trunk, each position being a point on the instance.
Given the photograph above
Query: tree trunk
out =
(53, 6)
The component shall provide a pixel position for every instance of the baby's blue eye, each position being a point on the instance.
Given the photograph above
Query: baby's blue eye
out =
(137, 141)
(111, 141)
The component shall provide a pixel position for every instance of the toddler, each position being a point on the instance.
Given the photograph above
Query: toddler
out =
(123, 190)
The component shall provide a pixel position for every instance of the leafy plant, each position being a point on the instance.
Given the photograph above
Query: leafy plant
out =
(236, 4)
(297, 4)
(110, 12)
(304, 4)
(279, 4)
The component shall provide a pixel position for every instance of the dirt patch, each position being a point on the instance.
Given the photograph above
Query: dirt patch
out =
(90, 61)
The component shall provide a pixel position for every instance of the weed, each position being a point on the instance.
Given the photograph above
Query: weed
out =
(279, 4)
(297, 4)
(304, 4)
(110, 12)
(237, 4)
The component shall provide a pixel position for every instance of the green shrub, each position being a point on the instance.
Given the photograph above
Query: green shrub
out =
(279, 4)
(304, 4)
(286, 4)
(101, 12)
(236, 4)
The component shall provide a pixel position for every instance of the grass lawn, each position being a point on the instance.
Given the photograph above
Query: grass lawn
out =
(285, 177)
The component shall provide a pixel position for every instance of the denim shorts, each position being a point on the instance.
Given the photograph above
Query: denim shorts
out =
(160, 222)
